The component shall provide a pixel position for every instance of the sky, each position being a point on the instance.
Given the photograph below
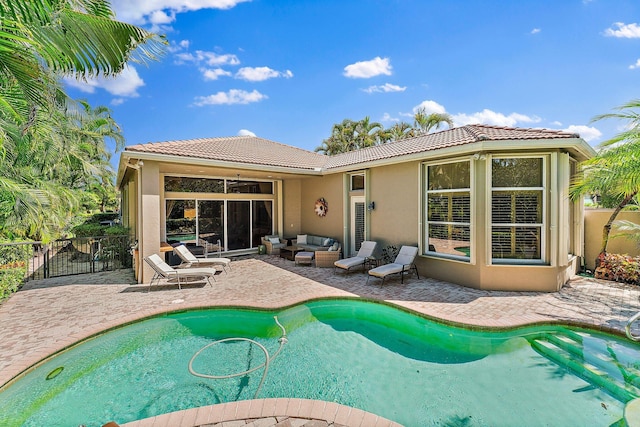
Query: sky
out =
(288, 70)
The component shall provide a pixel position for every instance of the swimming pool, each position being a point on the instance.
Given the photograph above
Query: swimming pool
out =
(362, 354)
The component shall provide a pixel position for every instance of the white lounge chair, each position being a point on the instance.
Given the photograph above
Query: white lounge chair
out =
(366, 251)
(402, 264)
(181, 275)
(190, 259)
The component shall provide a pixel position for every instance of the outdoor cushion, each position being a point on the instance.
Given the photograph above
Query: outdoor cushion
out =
(347, 263)
(302, 239)
(274, 240)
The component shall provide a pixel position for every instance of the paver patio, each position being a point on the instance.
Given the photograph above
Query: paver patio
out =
(50, 315)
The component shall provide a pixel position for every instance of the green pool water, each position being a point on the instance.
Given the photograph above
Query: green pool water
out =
(366, 355)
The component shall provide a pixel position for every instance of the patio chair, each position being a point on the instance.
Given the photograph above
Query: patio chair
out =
(219, 260)
(366, 251)
(182, 275)
(402, 264)
(190, 260)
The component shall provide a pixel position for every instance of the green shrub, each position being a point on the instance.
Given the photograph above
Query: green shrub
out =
(11, 279)
(95, 229)
(13, 267)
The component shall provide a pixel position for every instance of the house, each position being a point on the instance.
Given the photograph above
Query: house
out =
(487, 206)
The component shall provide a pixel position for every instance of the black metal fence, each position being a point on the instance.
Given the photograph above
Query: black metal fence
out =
(66, 257)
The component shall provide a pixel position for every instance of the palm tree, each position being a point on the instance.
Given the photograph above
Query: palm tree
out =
(52, 149)
(401, 130)
(67, 37)
(615, 170)
(424, 122)
(367, 133)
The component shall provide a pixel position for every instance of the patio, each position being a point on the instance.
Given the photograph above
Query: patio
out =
(47, 316)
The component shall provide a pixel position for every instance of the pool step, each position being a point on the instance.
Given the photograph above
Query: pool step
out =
(595, 362)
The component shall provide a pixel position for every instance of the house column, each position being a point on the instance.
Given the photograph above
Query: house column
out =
(149, 217)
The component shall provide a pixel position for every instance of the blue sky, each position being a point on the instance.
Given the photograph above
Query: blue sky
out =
(288, 70)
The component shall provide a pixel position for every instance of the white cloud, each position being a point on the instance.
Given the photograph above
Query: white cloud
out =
(493, 118)
(627, 31)
(386, 117)
(214, 74)
(366, 69)
(535, 31)
(258, 74)
(208, 58)
(387, 87)
(634, 66)
(245, 132)
(556, 123)
(125, 84)
(117, 101)
(143, 12)
(177, 47)
(233, 96)
(429, 107)
(586, 132)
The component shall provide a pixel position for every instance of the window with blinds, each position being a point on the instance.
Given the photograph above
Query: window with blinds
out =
(448, 209)
(517, 206)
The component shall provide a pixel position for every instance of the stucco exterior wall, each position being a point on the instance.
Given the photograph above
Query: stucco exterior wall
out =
(331, 188)
(150, 217)
(594, 221)
(394, 189)
(292, 207)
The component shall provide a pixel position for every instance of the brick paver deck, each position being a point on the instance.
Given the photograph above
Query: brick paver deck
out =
(48, 316)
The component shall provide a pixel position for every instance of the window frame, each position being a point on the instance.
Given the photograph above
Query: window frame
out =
(471, 258)
(542, 226)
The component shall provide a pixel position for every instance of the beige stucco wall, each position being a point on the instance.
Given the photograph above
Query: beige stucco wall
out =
(594, 221)
(331, 188)
(292, 208)
(394, 189)
(150, 217)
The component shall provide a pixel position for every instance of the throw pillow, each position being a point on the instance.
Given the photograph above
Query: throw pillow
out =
(330, 249)
(302, 239)
(327, 242)
(335, 246)
(274, 240)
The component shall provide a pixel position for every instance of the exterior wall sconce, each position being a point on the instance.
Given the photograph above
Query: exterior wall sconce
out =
(371, 206)
(479, 156)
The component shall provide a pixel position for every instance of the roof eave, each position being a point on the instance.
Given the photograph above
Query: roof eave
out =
(167, 158)
(583, 150)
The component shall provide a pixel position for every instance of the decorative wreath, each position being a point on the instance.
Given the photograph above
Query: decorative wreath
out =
(321, 207)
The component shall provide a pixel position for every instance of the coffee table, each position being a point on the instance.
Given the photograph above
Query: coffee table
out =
(289, 252)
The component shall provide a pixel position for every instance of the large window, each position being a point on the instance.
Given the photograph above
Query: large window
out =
(207, 219)
(448, 209)
(517, 208)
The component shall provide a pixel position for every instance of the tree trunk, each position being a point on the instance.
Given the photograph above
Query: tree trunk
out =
(607, 227)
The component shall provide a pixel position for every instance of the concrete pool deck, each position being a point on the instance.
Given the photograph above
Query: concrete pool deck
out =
(49, 315)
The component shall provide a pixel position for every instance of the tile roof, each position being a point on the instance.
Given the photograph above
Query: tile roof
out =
(258, 151)
(447, 138)
(238, 149)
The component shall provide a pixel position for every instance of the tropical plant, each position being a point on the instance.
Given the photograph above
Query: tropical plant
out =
(615, 171)
(352, 135)
(424, 122)
(53, 149)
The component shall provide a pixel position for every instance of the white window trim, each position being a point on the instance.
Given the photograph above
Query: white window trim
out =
(471, 260)
(543, 260)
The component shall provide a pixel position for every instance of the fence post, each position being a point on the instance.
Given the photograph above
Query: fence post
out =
(46, 261)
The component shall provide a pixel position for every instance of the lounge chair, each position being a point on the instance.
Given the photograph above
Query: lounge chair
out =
(190, 260)
(181, 275)
(366, 251)
(402, 264)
